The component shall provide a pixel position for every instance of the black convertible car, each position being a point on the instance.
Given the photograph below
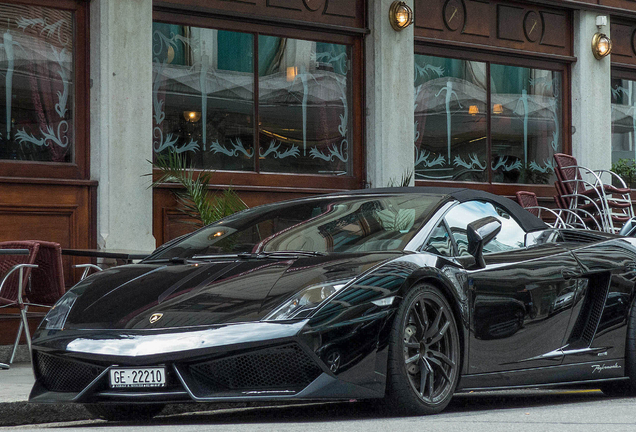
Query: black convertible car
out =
(406, 294)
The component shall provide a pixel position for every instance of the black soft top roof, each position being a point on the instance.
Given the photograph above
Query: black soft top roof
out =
(527, 220)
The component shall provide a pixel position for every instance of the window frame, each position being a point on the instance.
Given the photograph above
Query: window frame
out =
(79, 168)
(529, 61)
(313, 183)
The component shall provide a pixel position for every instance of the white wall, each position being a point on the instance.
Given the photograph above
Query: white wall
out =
(591, 97)
(389, 98)
(121, 121)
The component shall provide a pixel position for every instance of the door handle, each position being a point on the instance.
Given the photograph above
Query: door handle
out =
(570, 274)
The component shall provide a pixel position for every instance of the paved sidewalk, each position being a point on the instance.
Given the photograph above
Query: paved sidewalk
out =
(15, 386)
(16, 383)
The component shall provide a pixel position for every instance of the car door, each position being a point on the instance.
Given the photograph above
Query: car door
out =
(521, 301)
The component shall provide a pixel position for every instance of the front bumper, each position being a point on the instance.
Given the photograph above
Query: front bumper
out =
(70, 367)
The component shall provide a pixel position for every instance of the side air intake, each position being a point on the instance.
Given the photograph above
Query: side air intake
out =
(591, 312)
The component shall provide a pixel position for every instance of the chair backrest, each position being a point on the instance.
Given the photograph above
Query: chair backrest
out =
(528, 199)
(562, 201)
(47, 281)
(566, 170)
(9, 291)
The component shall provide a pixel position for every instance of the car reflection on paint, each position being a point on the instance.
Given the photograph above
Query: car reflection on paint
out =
(498, 317)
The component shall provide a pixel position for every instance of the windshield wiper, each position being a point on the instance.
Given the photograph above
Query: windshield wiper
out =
(263, 255)
(173, 260)
(288, 253)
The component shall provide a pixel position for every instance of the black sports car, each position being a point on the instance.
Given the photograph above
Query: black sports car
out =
(406, 294)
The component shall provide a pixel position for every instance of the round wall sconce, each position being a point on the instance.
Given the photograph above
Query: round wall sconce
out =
(192, 116)
(400, 15)
(601, 45)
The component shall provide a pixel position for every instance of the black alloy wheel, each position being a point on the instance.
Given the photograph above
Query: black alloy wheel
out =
(424, 358)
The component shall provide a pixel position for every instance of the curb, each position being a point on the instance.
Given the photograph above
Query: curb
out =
(23, 413)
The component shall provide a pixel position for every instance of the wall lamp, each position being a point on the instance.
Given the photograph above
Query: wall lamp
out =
(601, 43)
(400, 15)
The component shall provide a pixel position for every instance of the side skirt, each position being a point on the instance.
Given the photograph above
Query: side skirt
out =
(595, 371)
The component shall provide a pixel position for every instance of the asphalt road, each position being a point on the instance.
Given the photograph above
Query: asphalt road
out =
(517, 411)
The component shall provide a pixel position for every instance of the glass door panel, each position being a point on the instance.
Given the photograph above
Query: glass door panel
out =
(304, 106)
(526, 126)
(203, 96)
(450, 119)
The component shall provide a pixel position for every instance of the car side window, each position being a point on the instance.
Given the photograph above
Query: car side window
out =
(511, 236)
(439, 242)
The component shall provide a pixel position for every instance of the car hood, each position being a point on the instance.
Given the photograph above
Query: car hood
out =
(205, 293)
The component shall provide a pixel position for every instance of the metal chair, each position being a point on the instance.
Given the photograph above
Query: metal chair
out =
(15, 257)
(87, 269)
(40, 281)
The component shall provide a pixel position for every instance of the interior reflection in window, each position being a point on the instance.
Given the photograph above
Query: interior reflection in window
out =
(511, 236)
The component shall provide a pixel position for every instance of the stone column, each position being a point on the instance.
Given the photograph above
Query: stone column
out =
(121, 121)
(591, 97)
(389, 98)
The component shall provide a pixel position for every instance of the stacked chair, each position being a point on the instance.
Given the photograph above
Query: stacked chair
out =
(559, 217)
(586, 199)
(600, 197)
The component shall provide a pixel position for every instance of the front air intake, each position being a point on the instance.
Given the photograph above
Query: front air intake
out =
(61, 375)
(285, 367)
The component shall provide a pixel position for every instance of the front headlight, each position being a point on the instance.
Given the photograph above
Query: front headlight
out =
(56, 318)
(306, 301)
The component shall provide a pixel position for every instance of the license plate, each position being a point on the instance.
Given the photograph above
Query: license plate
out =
(138, 377)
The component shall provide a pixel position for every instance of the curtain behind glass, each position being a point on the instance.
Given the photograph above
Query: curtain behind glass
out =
(203, 96)
(450, 119)
(36, 71)
(526, 124)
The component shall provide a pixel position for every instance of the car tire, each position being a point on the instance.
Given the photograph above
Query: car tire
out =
(626, 387)
(128, 412)
(424, 354)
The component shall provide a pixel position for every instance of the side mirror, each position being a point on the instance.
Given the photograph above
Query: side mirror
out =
(479, 233)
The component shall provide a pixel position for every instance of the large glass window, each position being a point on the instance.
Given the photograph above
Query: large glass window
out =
(623, 119)
(293, 117)
(36, 76)
(457, 102)
(450, 119)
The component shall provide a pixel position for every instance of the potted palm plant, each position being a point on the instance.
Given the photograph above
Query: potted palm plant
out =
(195, 199)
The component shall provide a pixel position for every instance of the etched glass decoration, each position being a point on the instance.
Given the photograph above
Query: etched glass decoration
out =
(304, 113)
(623, 119)
(450, 119)
(203, 96)
(36, 72)
(204, 101)
(526, 106)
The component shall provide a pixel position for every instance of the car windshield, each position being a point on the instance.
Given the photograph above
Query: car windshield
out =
(363, 223)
